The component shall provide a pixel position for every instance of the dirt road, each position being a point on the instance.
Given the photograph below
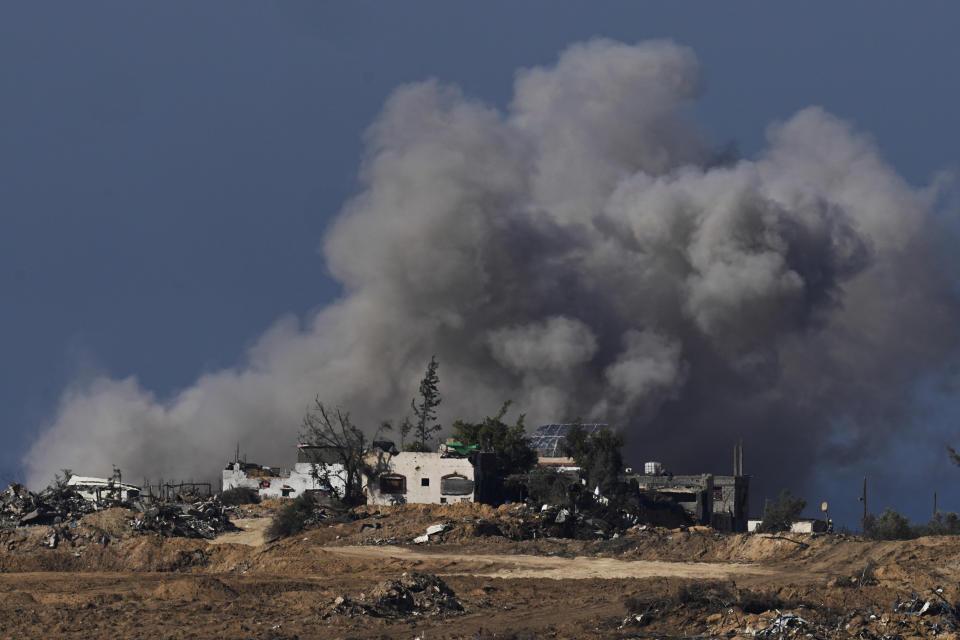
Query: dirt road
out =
(551, 567)
(252, 534)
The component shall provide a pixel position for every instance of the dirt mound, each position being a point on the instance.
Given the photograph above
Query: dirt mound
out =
(417, 594)
(191, 589)
(115, 522)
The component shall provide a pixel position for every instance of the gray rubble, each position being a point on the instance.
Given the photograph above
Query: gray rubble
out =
(184, 516)
(415, 594)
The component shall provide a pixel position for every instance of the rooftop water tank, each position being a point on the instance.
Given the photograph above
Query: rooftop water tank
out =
(652, 468)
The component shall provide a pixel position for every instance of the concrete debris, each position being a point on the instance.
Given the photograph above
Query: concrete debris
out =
(934, 606)
(432, 530)
(54, 505)
(784, 624)
(202, 519)
(62, 505)
(416, 594)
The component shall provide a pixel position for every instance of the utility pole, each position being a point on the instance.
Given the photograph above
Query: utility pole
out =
(863, 498)
(934, 504)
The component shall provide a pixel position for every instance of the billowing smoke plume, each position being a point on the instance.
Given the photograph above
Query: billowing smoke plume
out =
(587, 253)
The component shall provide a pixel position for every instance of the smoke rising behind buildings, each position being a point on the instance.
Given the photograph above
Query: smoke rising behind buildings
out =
(586, 252)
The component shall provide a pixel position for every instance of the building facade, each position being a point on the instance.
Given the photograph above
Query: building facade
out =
(415, 477)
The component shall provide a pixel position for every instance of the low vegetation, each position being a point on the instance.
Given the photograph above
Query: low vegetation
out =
(891, 525)
(293, 518)
(781, 515)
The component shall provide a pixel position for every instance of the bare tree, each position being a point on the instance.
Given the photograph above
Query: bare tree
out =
(343, 443)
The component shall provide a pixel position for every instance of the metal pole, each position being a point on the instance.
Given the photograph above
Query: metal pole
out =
(934, 504)
(864, 497)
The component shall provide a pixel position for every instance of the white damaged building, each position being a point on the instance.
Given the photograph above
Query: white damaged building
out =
(396, 477)
(423, 478)
(274, 482)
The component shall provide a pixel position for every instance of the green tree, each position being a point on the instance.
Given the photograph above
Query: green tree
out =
(780, 516)
(598, 455)
(425, 408)
(891, 525)
(510, 443)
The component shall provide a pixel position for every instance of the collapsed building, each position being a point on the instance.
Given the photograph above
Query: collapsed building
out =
(103, 489)
(717, 501)
(316, 472)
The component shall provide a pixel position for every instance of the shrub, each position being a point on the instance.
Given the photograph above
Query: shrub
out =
(293, 518)
(240, 495)
(542, 485)
(889, 526)
(779, 517)
(942, 524)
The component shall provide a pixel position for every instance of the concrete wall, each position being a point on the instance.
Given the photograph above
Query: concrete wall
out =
(698, 487)
(416, 469)
(730, 502)
(800, 526)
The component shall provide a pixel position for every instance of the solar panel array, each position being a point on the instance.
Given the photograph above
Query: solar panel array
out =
(547, 438)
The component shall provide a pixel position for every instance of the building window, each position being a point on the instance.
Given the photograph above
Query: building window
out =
(393, 483)
(424, 482)
(718, 493)
(443, 501)
(456, 485)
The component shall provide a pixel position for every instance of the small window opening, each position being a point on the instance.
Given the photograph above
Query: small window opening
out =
(424, 482)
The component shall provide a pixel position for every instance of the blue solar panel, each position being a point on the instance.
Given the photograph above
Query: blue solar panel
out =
(547, 438)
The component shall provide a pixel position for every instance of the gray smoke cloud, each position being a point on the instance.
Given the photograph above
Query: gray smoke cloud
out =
(586, 253)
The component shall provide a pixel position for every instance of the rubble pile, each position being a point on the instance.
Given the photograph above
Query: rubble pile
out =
(201, 519)
(53, 505)
(416, 594)
(547, 521)
(915, 617)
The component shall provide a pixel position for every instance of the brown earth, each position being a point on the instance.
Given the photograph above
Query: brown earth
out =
(105, 580)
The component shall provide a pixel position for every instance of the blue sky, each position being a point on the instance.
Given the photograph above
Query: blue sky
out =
(167, 170)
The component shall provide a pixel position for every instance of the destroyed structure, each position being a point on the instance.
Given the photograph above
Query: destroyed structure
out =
(720, 502)
(316, 472)
(102, 489)
(61, 506)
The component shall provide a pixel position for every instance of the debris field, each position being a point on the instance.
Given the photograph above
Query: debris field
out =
(450, 571)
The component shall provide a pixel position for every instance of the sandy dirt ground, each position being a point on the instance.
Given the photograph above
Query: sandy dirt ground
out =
(553, 568)
(106, 582)
(252, 533)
